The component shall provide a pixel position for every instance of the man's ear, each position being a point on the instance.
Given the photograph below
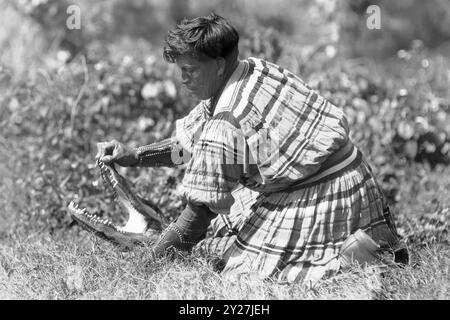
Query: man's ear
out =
(221, 65)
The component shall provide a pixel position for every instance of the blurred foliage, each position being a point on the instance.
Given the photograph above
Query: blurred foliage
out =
(401, 23)
(65, 90)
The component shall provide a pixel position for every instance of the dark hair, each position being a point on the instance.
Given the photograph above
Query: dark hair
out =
(211, 36)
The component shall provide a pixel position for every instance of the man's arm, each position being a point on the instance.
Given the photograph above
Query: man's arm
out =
(165, 153)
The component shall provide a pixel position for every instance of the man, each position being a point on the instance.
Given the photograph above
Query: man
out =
(267, 155)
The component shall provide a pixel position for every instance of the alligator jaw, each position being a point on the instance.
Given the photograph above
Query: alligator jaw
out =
(105, 229)
(136, 223)
(141, 216)
(145, 220)
(87, 217)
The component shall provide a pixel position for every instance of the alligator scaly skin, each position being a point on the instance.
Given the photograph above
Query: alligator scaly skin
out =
(145, 220)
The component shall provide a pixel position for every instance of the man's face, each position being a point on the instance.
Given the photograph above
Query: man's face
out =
(201, 77)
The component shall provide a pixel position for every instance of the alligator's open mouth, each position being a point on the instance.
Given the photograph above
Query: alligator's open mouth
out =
(145, 220)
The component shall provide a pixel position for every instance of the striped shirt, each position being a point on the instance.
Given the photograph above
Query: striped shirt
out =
(267, 131)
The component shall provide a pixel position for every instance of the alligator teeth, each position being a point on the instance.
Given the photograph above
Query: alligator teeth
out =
(73, 205)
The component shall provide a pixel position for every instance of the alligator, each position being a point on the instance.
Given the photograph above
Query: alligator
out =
(145, 220)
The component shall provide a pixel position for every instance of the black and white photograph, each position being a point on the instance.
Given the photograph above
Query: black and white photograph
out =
(241, 152)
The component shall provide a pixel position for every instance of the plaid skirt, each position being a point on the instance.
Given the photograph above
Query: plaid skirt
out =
(295, 235)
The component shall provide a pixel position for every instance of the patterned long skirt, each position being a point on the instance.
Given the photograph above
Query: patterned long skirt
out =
(296, 235)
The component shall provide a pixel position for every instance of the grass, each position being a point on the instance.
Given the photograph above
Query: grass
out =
(73, 264)
(80, 266)
(46, 269)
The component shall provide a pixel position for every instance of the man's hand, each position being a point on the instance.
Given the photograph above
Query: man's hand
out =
(116, 152)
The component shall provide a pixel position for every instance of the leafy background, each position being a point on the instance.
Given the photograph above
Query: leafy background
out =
(62, 91)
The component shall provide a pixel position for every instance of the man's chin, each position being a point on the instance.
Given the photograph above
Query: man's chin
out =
(198, 96)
